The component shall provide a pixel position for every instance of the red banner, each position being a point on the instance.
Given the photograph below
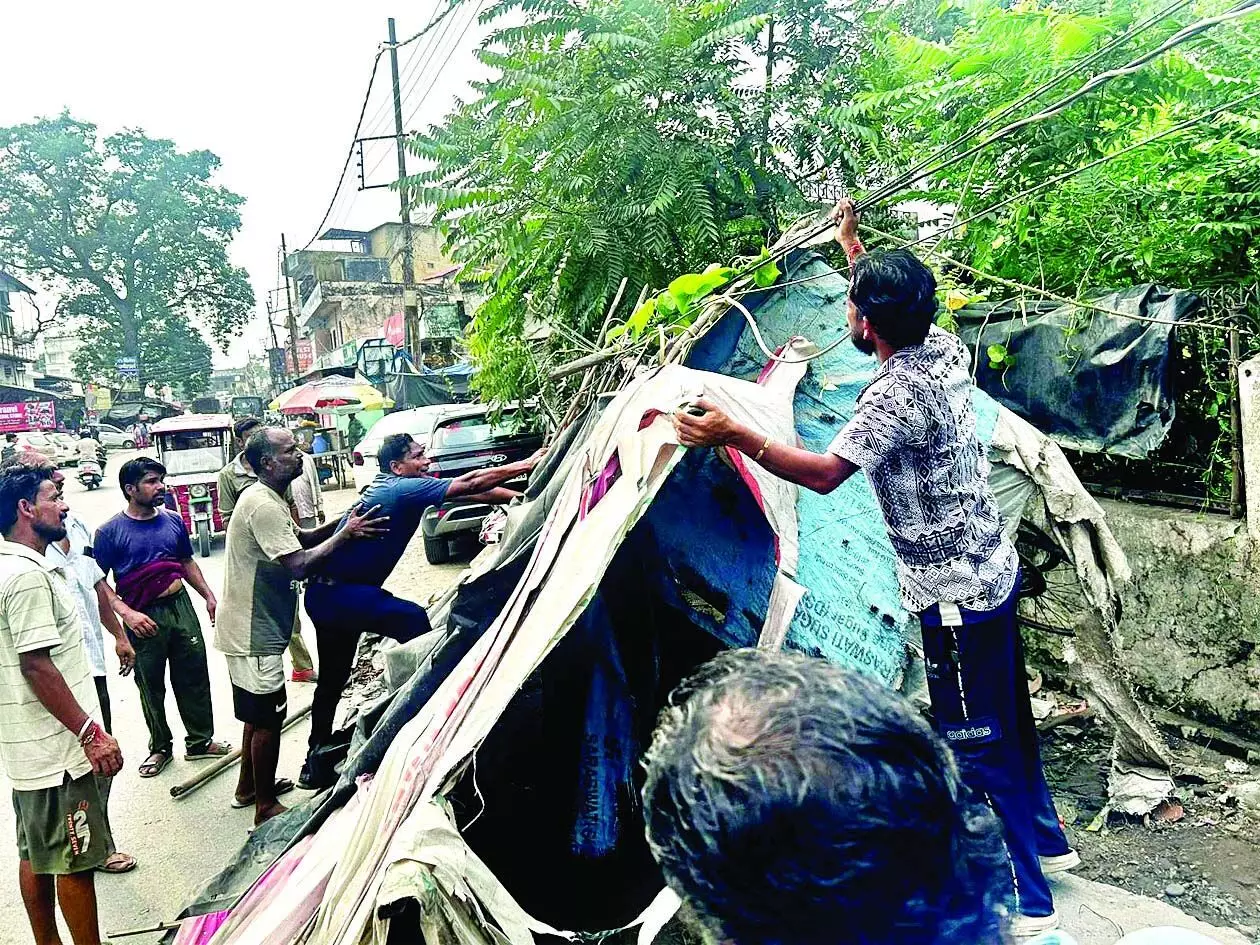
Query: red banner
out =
(305, 354)
(36, 415)
(394, 330)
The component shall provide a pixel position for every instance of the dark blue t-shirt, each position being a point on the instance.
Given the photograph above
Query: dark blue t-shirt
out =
(123, 543)
(403, 499)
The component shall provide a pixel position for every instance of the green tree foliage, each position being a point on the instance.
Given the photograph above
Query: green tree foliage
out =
(1183, 211)
(133, 235)
(618, 140)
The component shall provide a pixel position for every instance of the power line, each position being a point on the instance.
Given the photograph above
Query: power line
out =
(376, 61)
(884, 193)
(358, 128)
(1150, 139)
(1074, 69)
(464, 32)
(440, 39)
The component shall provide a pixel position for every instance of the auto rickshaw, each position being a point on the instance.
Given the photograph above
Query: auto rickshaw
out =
(193, 448)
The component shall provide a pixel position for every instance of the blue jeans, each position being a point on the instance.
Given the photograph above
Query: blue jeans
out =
(975, 675)
(341, 613)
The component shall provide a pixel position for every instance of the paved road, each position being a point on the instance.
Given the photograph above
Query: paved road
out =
(179, 843)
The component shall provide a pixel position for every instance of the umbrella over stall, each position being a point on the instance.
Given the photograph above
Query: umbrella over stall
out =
(329, 393)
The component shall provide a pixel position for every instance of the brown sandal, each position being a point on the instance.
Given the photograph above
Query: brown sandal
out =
(151, 768)
(213, 749)
(118, 862)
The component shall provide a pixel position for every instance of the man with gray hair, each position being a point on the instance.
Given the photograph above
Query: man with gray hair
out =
(266, 553)
(792, 802)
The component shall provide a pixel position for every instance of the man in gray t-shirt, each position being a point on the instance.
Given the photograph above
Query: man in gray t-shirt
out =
(266, 554)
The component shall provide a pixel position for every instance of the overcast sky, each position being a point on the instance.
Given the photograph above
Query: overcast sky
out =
(272, 87)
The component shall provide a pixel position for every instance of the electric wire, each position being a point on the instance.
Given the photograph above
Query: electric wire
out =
(441, 38)
(1054, 296)
(1074, 69)
(358, 127)
(1189, 32)
(882, 194)
(1150, 139)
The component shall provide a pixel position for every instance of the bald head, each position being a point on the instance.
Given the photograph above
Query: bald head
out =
(272, 453)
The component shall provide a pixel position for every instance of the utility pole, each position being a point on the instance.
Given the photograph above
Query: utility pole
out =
(411, 319)
(288, 299)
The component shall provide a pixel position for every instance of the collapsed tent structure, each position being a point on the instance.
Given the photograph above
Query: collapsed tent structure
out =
(492, 797)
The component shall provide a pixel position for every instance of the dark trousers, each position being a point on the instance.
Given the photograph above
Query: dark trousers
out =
(107, 720)
(980, 702)
(179, 643)
(341, 613)
(102, 696)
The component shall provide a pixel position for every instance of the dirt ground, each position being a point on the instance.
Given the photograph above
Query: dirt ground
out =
(1205, 861)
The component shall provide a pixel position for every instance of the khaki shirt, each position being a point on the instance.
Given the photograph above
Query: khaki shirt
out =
(235, 478)
(38, 613)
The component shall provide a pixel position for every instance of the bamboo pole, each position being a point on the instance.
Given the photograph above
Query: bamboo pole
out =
(187, 787)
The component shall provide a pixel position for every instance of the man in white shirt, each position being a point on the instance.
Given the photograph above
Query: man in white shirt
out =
(53, 749)
(88, 449)
(96, 603)
(308, 498)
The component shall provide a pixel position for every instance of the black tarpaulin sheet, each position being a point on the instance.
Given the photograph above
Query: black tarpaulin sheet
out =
(1092, 381)
(444, 386)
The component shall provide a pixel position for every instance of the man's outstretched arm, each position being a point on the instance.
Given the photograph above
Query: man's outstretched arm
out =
(482, 481)
(819, 472)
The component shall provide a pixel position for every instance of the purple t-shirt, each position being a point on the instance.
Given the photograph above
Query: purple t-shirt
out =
(123, 543)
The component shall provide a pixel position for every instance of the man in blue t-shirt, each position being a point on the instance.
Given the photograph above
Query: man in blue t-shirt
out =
(147, 548)
(346, 598)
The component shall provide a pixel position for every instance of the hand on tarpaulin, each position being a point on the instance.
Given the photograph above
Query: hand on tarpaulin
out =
(702, 423)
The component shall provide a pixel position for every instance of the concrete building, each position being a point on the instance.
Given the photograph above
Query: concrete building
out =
(351, 290)
(16, 357)
(58, 352)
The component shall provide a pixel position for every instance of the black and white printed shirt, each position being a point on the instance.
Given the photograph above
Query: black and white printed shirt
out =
(914, 434)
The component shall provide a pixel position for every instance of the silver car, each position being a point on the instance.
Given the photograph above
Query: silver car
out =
(113, 438)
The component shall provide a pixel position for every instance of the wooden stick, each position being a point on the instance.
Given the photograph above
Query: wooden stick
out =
(584, 362)
(603, 330)
(187, 787)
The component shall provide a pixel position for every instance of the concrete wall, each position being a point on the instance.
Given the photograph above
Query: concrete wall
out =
(1191, 625)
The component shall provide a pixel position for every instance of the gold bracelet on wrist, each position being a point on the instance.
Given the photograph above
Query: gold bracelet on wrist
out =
(762, 452)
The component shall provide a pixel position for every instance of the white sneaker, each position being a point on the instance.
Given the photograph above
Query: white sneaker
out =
(1061, 863)
(1027, 926)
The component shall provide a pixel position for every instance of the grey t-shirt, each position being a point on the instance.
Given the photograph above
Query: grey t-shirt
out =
(259, 606)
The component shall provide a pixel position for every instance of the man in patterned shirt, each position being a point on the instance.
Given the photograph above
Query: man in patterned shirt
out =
(914, 434)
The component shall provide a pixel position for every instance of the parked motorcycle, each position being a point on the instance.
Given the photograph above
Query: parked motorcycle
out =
(90, 475)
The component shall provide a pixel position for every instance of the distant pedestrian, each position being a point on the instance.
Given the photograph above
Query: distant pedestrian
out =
(354, 431)
(308, 497)
(10, 448)
(53, 748)
(148, 549)
(266, 553)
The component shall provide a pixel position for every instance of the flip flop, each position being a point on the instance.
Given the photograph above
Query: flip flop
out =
(212, 750)
(150, 768)
(283, 786)
(118, 862)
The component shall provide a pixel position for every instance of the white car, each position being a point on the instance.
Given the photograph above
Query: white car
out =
(36, 441)
(113, 438)
(418, 422)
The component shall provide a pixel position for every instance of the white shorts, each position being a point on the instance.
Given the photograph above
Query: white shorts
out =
(260, 675)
